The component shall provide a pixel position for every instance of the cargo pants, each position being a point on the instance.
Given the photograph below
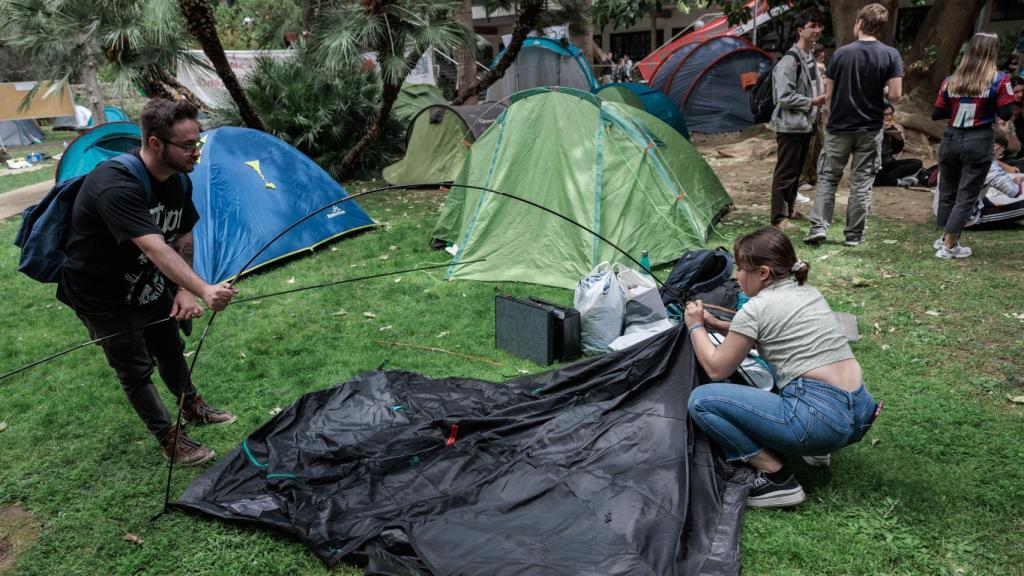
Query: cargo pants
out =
(837, 149)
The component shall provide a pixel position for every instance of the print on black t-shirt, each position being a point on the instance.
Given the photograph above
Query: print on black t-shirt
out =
(105, 271)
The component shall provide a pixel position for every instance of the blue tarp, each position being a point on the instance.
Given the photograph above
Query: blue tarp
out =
(656, 103)
(248, 186)
(543, 62)
(710, 82)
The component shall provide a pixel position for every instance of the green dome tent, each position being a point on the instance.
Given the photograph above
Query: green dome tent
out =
(611, 167)
(415, 97)
(437, 141)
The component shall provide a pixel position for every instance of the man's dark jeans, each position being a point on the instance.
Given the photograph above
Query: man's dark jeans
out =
(132, 357)
(791, 155)
(965, 157)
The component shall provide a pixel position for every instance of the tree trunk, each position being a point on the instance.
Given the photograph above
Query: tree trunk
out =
(389, 94)
(528, 12)
(946, 27)
(172, 82)
(467, 54)
(844, 16)
(92, 82)
(585, 38)
(199, 21)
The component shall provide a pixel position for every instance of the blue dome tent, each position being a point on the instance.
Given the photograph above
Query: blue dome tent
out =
(96, 145)
(112, 114)
(543, 62)
(710, 82)
(654, 102)
(248, 186)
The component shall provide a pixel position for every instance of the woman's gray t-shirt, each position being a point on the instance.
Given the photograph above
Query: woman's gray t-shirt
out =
(793, 328)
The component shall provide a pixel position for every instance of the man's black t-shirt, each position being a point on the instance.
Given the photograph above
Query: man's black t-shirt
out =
(105, 271)
(859, 72)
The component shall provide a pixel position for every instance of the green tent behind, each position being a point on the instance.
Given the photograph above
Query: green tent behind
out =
(621, 95)
(415, 97)
(437, 141)
(611, 167)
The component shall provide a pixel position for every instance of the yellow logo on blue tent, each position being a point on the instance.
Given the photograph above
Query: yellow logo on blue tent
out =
(255, 165)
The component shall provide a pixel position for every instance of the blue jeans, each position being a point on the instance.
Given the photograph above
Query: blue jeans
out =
(807, 417)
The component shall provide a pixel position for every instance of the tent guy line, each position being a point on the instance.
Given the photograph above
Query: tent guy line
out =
(250, 299)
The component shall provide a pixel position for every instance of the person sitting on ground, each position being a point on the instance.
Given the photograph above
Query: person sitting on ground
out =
(822, 404)
(895, 172)
(999, 178)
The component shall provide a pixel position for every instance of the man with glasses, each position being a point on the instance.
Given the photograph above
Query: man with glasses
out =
(129, 269)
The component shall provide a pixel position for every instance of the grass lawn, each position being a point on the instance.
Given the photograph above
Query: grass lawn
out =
(935, 488)
(53, 143)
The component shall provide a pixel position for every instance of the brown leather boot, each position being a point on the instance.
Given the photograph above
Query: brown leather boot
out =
(201, 413)
(187, 452)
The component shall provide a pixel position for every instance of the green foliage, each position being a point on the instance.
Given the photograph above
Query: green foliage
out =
(401, 27)
(132, 37)
(319, 112)
(268, 21)
(621, 13)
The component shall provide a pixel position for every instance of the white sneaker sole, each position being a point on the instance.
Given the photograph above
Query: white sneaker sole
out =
(780, 499)
(940, 253)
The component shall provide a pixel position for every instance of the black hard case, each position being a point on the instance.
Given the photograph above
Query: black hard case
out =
(536, 330)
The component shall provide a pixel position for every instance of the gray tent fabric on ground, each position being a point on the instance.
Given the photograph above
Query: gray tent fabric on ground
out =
(592, 468)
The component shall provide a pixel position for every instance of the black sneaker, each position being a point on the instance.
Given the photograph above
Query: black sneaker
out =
(767, 494)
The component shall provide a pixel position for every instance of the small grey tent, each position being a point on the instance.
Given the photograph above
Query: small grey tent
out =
(19, 133)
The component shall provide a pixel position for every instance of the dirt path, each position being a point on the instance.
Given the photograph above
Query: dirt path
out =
(744, 163)
(13, 202)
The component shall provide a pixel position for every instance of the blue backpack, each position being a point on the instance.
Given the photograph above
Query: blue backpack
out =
(43, 226)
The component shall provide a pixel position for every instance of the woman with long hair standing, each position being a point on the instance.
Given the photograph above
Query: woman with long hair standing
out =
(971, 99)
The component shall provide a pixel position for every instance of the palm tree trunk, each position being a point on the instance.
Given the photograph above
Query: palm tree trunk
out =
(389, 94)
(528, 12)
(199, 20)
(92, 82)
(467, 54)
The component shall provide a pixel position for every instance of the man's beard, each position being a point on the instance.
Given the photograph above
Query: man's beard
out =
(178, 166)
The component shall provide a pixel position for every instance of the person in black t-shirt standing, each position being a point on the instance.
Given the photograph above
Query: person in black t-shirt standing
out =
(128, 266)
(858, 79)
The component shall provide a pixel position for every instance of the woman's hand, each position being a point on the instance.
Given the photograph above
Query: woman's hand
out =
(694, 313)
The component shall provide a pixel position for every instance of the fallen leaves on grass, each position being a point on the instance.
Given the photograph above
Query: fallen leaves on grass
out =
(132, 538)
(291, 280)
(369, 314)
(1015, 399)
(890, 242)
(275, 410)
(442, 334)
(385, 257)
(3, 425)
(241, 355)
(341, 312)
(385, 328)
(858, 282)
(931, 312)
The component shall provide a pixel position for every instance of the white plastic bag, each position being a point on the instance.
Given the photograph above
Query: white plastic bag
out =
(600, 301)
(644, 310)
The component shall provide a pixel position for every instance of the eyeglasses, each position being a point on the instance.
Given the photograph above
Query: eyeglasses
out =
(190, 147)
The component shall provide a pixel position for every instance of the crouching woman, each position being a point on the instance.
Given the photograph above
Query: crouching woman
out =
(822, 404)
